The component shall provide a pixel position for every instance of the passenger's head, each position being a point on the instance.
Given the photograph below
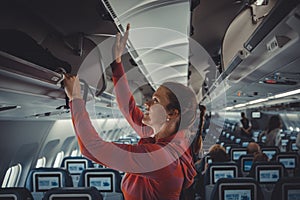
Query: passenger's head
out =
(260, 157)
(218, 153)
(274, 122)
(178, 102)
(252, 148)
(243, 114)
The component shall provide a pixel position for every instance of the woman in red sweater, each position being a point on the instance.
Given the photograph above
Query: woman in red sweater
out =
(160, 166)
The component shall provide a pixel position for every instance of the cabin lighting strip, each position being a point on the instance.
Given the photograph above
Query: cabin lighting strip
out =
(277, 96)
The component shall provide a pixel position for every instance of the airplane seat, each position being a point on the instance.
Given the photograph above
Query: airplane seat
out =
(75, 165)
(15, 193)
(236, 152)
(237, 188)
(217, 170)
(106, 180)
(270, 151)
(75, 158)
(78, 193)
(267, 174)
(39, 180)
(287, 188)
(245, 163)
(290, 161)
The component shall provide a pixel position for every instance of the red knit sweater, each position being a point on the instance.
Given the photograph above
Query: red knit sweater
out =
(154, 169)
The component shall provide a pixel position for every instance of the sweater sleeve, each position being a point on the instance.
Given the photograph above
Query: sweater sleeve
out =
(127, 158)
(126, 102)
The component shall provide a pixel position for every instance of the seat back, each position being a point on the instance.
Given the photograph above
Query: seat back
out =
(270, 151)
(290, 162)
(287, 188)
(267, 174)
(245, 163)
(236, 152)
(75, 165)
(78, 193)
(15, 193)
(216, 171)
(236, 188)
(107, 181)
(39, 180)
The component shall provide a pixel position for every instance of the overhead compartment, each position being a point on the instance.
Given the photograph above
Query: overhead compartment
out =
(39, 41)
(32, 36)
(272, 49)
(250, 44)
(158, 40)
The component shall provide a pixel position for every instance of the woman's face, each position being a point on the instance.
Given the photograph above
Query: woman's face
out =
(156, 113)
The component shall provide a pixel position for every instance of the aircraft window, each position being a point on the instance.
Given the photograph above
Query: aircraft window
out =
(12, 176)
(41, 162)
(58, 159)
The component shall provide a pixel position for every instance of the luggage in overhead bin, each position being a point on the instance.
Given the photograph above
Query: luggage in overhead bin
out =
(21, 45)
(241, 29)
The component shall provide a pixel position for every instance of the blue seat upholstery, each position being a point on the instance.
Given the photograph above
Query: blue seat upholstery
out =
(237, 188)
(107, 181)
(79, 193)
(15, 193)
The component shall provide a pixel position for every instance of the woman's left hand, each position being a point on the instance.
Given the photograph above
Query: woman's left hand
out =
(120, 45)
(72, 87)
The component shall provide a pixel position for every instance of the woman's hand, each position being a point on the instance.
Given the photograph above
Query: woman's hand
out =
(120, 44)
(72, 87)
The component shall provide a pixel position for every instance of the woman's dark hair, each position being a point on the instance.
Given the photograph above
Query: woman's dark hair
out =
(274, 122)
(184, 100)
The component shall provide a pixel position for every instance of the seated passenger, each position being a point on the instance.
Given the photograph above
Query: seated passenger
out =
(260, 157)
(217, 153)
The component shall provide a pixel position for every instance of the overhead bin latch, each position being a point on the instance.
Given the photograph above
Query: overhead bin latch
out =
(256, 14)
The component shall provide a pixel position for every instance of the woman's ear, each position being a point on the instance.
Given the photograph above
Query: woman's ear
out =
(173, 113)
